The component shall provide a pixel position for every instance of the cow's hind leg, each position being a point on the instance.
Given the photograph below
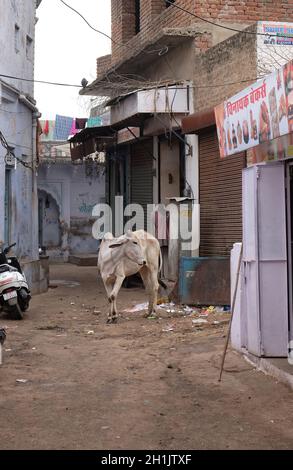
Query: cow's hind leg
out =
(153, 293)
(147, 280)
(113, 297)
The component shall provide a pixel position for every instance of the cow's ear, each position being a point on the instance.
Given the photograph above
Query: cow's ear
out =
(129, 234)
(116, 245)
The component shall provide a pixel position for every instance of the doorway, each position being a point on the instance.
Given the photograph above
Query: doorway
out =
(50, 233)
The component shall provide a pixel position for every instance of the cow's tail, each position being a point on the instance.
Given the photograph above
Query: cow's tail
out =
(161, 262)
(159, 272)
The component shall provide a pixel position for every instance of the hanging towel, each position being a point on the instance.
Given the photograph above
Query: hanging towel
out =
(94, 122)
(46, 128)
(63, 126)
(74, 130)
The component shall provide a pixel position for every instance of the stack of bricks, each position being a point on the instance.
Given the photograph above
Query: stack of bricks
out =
(103, 64)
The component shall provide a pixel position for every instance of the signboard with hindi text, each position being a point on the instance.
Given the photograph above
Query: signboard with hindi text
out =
(275, 33)
(260, 113)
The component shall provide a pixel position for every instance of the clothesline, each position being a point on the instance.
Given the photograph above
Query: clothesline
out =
(64, 127)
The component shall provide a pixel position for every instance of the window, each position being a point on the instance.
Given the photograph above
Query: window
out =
(29, 48)
(137, 16)
(17, 38)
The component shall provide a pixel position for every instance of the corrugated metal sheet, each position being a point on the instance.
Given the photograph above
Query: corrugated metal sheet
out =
(142, 175)
(220, 197)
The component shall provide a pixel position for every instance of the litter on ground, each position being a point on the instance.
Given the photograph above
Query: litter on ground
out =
(137, 308)
(168, 328)
(199, 321)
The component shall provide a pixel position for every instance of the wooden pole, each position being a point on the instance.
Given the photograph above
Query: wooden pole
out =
(2, 341)
(232, 313)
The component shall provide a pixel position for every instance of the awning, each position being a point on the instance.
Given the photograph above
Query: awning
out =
(93, 132)
(195, 122)
(85, 142)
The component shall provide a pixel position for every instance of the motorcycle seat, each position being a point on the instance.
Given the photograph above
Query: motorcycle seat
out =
(6, 267)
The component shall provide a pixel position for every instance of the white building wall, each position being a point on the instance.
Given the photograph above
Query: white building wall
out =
(18, 117)
(75, 194)
(17, 52)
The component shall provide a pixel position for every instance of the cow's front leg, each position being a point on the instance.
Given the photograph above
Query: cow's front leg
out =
(109, 289)
(113, 297)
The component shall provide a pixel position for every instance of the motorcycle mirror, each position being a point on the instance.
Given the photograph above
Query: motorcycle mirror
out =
(6, 251)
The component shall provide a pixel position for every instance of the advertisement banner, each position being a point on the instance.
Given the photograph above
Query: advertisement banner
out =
(276, 34)
(260, 113)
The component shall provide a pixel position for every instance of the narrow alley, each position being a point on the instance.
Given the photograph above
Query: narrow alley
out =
(70, 381)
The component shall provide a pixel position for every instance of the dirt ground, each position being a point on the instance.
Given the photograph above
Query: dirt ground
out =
(69, 381)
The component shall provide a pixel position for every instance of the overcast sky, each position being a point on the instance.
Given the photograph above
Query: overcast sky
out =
(66, 51)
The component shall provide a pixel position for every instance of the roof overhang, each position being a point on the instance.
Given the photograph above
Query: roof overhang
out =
(168, 39)
(195, 122)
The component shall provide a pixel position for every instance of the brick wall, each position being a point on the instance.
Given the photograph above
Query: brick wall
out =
(155, 16)
(233, 60)
(123, 22)
(103, 63)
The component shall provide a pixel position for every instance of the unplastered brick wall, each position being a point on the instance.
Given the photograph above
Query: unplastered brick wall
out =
(103, 63)
(233, 61)
(154, 16)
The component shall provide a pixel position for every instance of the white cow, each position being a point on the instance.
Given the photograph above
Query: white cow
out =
(121, 257)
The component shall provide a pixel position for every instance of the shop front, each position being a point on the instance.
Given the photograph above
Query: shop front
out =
(220, 198)
(259, 121)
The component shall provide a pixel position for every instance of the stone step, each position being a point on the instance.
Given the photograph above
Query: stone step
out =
(84, 260)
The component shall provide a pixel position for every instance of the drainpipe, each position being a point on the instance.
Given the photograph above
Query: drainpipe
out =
(34, 226)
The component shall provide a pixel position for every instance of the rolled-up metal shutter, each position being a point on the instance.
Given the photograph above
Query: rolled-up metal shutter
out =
(142, 175)
(220, 197)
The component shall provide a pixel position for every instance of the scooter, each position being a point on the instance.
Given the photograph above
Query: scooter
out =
(14, 291)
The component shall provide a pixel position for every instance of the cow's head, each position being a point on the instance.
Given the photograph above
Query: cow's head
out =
(132, 249)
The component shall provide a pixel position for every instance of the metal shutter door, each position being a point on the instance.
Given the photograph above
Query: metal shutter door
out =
(220, 197)
(142, 175)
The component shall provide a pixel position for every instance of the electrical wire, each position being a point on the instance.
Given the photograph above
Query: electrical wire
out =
(10, 152)
(163, 50)
(128, 78)
(13, 112)
(135, 87)
(40, 81)
(92, 27)
(205, 20)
